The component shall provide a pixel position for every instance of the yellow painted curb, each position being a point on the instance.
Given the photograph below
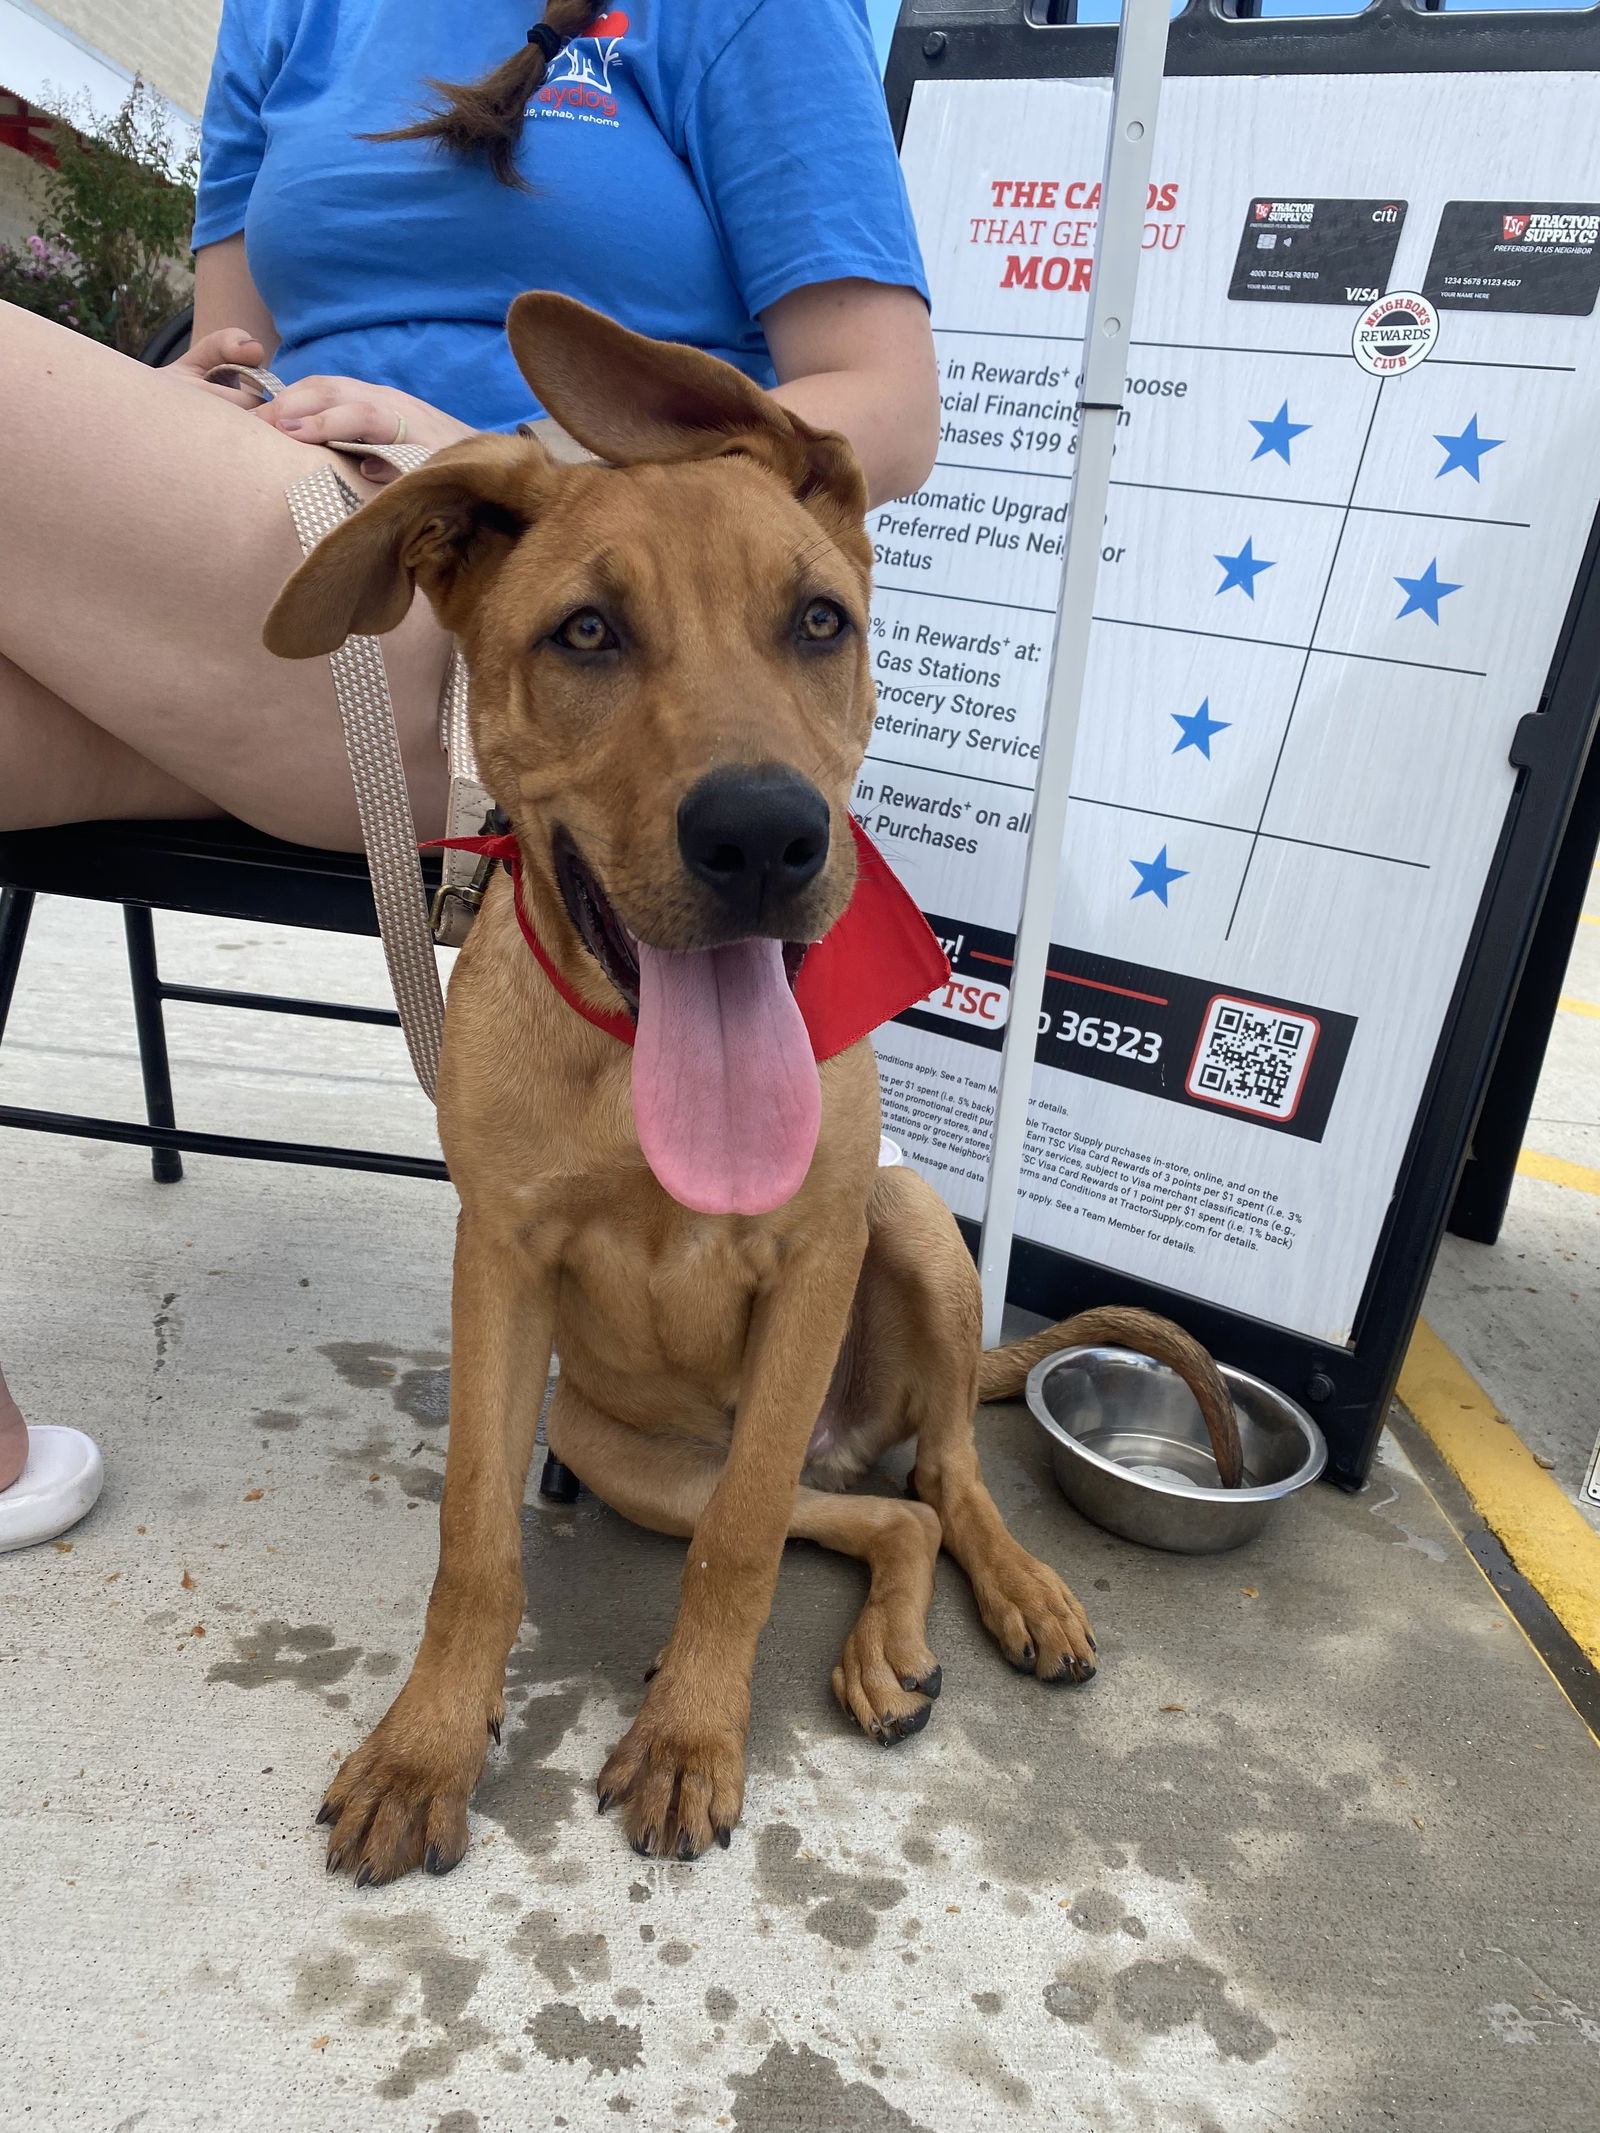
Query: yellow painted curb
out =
(1571, 1005)
(1551, 1543)
(1555, 1170)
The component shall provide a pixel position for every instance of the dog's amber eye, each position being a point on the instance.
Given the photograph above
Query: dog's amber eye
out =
(586, 631)
(820, 620)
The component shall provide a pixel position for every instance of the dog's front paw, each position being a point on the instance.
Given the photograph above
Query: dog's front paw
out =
(677, 1774)
(1033, 1616)
(887, 1678)
(401, 1800)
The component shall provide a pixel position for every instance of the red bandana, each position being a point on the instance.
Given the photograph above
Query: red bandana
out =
(878, 960)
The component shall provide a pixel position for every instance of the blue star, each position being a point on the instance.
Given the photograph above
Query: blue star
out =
(1198, 728)
(1278, 434)
(1242, 570)
(1467, 450)
(1155, 876)
(1424, 594)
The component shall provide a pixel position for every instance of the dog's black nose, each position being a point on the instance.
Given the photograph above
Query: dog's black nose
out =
(755, 834)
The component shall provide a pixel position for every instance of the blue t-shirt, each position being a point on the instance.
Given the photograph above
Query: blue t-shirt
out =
(691, 161)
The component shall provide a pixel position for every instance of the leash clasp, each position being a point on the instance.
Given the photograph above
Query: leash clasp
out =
(454, 907)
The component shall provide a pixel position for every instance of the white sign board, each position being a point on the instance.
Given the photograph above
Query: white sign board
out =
(1341, 539)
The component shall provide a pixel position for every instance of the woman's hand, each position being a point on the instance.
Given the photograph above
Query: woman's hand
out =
(229, 344)
(348, 411)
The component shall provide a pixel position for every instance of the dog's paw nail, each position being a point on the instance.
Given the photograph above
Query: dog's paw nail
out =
(645, 1845)
(652, 1670)
(327, 1812)
(685, 1846)
(494, 1731)
(1090, 1642)
(364, 1875)
(724, 1838)
(913, 1722)
(333, 1862)
(432, 1863)
(606, 1800)
(929, 1685)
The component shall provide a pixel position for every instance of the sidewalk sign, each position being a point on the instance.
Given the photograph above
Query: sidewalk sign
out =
(1342, 676)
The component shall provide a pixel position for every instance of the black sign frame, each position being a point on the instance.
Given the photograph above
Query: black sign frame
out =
(1474, 1103)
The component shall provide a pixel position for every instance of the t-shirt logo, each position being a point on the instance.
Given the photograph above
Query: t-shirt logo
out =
(578, 84)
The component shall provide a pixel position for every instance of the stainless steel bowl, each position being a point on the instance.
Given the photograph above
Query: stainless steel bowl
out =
(1130, 1449)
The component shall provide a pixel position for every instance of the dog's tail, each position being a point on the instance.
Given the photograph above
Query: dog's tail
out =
(1002, 1372)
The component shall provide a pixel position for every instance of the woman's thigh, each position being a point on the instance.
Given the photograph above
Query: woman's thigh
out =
(144, 538)
(58, 766)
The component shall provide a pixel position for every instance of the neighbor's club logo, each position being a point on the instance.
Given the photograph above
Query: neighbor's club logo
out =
(578, 84)
(1514, 226)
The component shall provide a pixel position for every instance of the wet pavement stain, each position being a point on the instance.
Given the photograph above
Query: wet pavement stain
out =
(417, 1946)
(422, 1392)
(413, 1955)
(1159, 1997)
(522, 1794)
(566, 1959)
(275, 1418)
(563, 2032)
(308, 1656)
(1073, 2000)
(721, 2005)
(362, 1461)
(844, 1913)
(167, 1326)
(798, 2090)
(1095, 1911)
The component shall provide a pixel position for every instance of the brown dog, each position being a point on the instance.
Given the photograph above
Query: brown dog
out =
(670, 701)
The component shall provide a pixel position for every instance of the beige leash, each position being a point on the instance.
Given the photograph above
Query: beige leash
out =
(319, 502)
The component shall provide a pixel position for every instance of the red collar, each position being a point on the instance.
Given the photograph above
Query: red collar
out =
(878, 960)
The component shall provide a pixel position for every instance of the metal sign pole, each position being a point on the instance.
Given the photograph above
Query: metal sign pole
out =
(1135, 101)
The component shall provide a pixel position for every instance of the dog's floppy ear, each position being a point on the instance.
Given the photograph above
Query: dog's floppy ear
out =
(629, 398)
(443, 528)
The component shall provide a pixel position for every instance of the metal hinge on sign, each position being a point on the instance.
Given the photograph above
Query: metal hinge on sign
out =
(455, 906)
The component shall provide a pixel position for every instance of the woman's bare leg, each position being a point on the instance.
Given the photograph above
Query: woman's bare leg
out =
(58, 766)
(144, 537)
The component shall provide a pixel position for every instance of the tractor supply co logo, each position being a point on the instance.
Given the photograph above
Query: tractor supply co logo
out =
(1577, 232)
(578, 84)
(1277, 214)
(980, 1002)
(1395, 334)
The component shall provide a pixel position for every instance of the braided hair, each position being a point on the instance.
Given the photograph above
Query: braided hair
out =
(484, 118)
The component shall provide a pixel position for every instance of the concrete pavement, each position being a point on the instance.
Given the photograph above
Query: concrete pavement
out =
(1315, 1851)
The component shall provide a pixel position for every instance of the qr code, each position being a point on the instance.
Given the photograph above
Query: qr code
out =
(1252, 1058)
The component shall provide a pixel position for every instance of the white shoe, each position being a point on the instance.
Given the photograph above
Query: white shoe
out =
(56, 1488)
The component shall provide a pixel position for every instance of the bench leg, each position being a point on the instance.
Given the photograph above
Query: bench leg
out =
(16, 908)
(166, 1164)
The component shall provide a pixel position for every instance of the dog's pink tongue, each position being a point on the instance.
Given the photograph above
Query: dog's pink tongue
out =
(725, 1090)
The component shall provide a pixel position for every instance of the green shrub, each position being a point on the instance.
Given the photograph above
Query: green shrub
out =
(112, 252)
